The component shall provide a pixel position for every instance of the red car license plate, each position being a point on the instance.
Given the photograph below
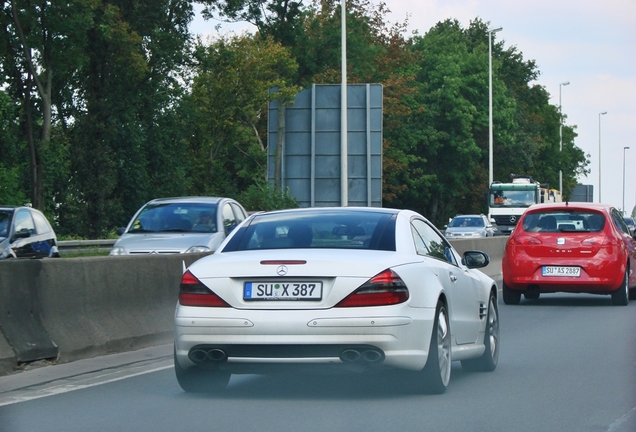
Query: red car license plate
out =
(561, 271)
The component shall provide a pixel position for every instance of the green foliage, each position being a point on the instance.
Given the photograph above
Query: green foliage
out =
(127, 107)
(12, 160)
(263, 197)
(228, 102)
(444, 143)
(10, 192)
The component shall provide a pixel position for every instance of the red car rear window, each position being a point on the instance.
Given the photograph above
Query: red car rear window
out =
(564, 221)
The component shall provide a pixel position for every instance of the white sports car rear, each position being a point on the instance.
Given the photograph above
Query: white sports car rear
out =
(335, 288)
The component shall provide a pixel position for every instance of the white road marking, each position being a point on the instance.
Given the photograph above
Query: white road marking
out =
(92, 379)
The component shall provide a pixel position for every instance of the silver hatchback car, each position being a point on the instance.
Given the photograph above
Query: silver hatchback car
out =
(466, 226)
(179, 225)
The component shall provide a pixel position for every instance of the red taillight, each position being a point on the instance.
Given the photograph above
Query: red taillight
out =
(593, 241)
(601, 240)
(193, 293)
(384, 289)
(524, 241)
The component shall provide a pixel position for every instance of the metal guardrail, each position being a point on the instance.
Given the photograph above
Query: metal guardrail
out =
(77, 246)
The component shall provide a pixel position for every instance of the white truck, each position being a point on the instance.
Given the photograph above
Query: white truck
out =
(508, 201)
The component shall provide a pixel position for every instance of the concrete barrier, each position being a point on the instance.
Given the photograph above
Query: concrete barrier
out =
(20, 317)
(74, 308)
(67, 309)
(493, 246)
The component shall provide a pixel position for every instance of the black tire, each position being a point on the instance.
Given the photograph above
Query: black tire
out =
(531, 295)
(489, 359)
(510, 297)
(436, 374)
(200, 380)
(620, 297)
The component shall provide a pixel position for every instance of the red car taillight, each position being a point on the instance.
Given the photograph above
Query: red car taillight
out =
(524, 241)
(600, 240)
(193, 293)
(384, 289)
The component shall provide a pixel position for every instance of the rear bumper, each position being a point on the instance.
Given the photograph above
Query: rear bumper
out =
(282, 340)
(583, 284)
(600, 274)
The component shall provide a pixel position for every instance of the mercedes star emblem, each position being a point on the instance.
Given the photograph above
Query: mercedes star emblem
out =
(281, 270)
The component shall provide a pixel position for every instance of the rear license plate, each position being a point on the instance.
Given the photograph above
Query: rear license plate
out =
(282, 290)
(561, 271)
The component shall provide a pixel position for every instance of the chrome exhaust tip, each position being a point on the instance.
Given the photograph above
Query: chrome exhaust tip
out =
(197, 356)
(350, 355)
(371, 356)
(216, 355)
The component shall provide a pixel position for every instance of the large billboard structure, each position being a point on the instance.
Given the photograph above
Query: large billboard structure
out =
(582, 193)
(310, 148)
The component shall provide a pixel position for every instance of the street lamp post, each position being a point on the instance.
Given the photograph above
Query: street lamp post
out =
(344, 148)
(623, 208)
(490, 138)
(599, 155)
(561, 136)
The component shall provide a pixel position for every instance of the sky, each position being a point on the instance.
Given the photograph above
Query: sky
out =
(590, 44)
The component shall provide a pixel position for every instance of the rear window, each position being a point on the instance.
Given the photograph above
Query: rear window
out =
(317, 230)
(564, 221)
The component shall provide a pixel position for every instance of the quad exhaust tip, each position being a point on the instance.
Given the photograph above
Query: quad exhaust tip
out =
(203, 355)
(367, 356)
(214, 355)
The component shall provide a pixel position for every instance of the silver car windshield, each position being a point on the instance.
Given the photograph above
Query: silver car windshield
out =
(189, 217)
(463, 222)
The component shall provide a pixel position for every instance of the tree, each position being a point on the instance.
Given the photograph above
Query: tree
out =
(11, 190)
(127, 87)
(232, 86)
(42, 39)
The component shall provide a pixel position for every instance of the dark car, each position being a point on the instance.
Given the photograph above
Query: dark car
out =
(570, 247)
(25, 233)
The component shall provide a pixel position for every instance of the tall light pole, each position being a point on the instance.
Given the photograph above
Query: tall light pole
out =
(490, 139)
(599, 155)
(623, 208)
(344, 152)
(561, 136)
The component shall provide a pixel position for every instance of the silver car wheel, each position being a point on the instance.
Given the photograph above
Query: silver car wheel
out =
(443, 346)
(493, 328)
(489, 359)
(435, 376)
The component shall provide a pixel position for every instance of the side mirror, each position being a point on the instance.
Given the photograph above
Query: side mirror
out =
(475, 259)
(25, 233)
(121, 230)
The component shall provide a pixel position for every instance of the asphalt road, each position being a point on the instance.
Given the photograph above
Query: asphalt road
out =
(568, 363)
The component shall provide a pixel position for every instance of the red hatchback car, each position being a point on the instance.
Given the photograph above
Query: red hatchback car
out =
(570, 247)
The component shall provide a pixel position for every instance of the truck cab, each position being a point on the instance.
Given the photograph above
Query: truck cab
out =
(508, 201)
